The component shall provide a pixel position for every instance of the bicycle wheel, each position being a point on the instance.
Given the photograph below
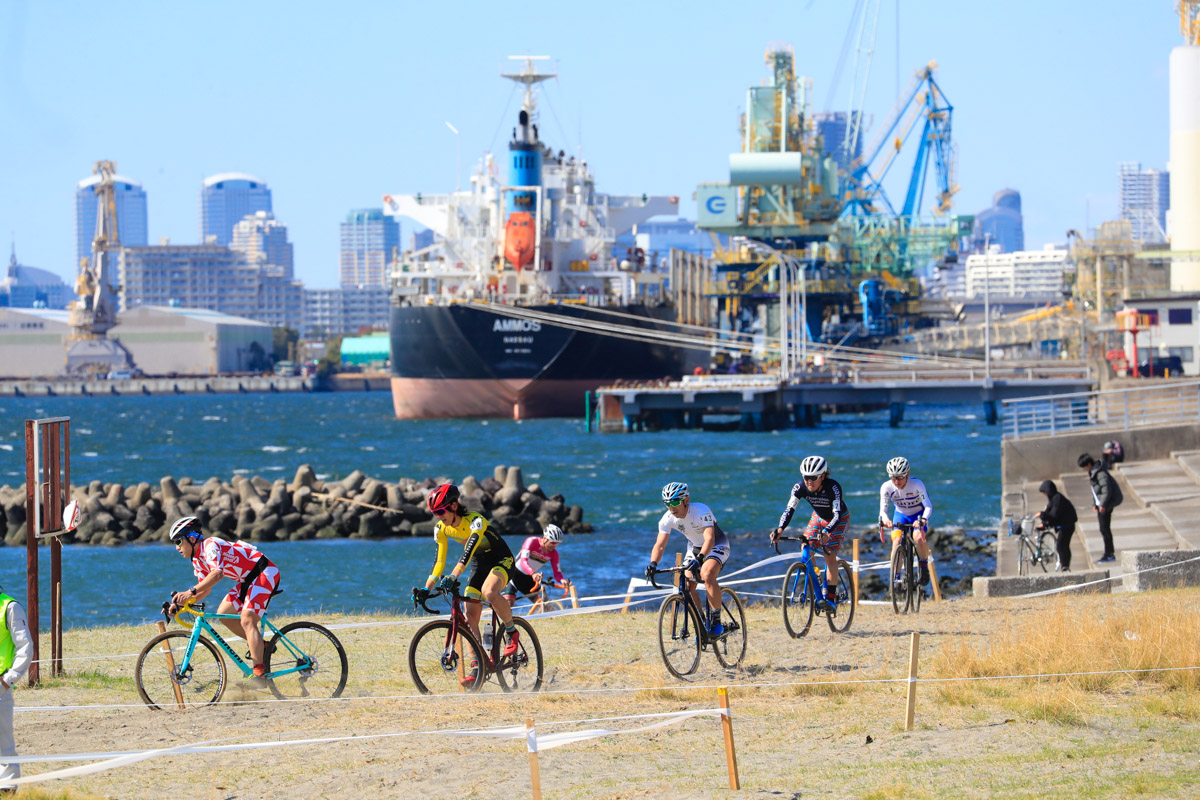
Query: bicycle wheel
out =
(1027, 557)
(839, 620)
(522, 671)
(679, 636)
(1048, 550)
(317, 651)
(162, 686)
(797, 600)
(730, 646)
(914, 577)
(440, 666)
(898, 583)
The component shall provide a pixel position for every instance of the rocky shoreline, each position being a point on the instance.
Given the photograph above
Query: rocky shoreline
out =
(356, 507)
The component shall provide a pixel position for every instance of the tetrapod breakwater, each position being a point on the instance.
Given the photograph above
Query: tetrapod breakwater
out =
(253, 508)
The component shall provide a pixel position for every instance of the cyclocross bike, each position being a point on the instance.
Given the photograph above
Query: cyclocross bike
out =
(178, 669)
(444, 656)
(540, 600)
(682, 637)
(1035, 546)
(904, 576)
(803, 586)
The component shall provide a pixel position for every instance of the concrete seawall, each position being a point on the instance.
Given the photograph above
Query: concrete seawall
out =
(215, 384)
(1041, 457)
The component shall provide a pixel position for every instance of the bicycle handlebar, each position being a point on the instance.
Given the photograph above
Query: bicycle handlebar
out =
(800, 538)
(672, 570)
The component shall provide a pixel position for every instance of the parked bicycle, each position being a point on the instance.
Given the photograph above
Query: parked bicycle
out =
(682, 636)
(803, 592)
(1037, 546)
(444, 655)
(904, 574)
(180, 669)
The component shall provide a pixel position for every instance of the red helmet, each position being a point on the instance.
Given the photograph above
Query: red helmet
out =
(441, 497)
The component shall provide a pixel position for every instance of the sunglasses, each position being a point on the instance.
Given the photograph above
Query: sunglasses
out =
(673, 503)
(441, 512)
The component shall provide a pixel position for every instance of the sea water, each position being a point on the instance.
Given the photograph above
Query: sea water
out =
(744, 477)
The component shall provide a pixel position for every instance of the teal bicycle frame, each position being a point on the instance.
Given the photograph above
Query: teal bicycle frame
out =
(202, 624)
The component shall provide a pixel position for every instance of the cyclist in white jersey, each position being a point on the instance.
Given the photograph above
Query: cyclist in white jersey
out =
(912, 507)
(708, 546)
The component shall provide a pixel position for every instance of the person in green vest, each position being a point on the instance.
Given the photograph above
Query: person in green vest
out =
(16, 654)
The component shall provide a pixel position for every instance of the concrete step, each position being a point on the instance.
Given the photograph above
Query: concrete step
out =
(1183, 518)
(1133, 528)
(1163, 480)
(1013, 586)
(1189, 461)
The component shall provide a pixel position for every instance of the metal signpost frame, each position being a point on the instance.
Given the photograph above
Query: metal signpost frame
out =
(47, 486)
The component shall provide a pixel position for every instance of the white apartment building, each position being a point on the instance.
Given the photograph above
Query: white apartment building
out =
(334, 312)
(1025, 273)
(212, 277)
(1177, 332)
(263, 238)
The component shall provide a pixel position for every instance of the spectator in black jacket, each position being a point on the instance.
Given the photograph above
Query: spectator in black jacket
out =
(1106, 495)
(1059, 514)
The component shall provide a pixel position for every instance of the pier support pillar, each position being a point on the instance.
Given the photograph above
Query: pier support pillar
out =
(990, 412)
(805, 415)
(895, 414)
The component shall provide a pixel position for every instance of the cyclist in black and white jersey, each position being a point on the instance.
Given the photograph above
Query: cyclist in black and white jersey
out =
(708, 546)
(830, 518)
(912, 507)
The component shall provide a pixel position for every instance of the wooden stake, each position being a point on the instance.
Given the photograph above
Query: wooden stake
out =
(933, 579)
(462, 672)
(678, 564)
(535, 775)
(727, 729)
(854, 568)
(574, 597)
(910, 707)
(162, 628)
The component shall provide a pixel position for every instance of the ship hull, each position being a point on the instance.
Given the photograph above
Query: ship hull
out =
(463, 361)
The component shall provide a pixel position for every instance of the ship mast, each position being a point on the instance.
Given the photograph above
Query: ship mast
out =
(529, 77)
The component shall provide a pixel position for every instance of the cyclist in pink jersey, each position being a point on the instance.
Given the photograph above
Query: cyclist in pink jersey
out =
(540, 550)
(257, 581)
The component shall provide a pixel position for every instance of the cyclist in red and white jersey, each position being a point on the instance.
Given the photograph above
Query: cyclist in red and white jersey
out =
(541, 550)
(256, 581)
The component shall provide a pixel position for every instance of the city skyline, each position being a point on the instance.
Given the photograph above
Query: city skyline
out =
(1043, 123)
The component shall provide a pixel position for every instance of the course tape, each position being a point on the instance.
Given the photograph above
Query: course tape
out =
(535, 743)
(628, 689)
(1106, 580)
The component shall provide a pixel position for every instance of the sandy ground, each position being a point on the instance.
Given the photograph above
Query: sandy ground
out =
(792, 740)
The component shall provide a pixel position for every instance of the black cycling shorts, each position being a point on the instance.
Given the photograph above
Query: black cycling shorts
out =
(497, 557)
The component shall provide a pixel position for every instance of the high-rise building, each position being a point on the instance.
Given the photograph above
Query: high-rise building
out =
(368, 238)
(131, 215)
(831, 125)
(1025, 273)
(212, 277)
(333, 312)
(263, 238)
(1002, 224)
(1145, 195)
(30, 287)
(225, 200)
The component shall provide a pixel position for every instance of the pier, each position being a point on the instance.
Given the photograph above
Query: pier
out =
(214, 384)
(770, 402)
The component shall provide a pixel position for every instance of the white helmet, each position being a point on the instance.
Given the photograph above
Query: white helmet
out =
(813, 466)
(897, 467)
(186, 528)
(553, 533)
(674, 491)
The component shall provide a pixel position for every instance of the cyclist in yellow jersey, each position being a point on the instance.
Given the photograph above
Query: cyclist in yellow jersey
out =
(491, 561)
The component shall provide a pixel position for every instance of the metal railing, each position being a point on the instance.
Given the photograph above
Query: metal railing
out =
(1048, 415)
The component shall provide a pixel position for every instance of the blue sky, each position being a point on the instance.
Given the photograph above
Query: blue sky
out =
(335, 105)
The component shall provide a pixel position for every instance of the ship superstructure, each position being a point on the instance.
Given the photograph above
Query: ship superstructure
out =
(532, 231)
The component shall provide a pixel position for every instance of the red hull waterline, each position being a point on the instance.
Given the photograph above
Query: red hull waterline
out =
(449, 398)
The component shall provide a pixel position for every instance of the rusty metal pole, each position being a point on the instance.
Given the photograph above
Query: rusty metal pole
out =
(31, 553)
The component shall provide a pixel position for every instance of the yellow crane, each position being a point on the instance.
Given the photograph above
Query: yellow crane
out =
(1189, 20)
(94, 314)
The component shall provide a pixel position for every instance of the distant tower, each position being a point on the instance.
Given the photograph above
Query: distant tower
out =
(226, 199)
(368, 237)
(831, 125)
(261, 235)
(1145, 195)
(131, 215)
(1183, 219)
(1002, 224)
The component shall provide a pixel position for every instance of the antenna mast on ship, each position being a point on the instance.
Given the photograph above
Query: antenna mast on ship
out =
(529, 77)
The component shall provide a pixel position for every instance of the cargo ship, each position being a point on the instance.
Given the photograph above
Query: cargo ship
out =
(518, 307)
